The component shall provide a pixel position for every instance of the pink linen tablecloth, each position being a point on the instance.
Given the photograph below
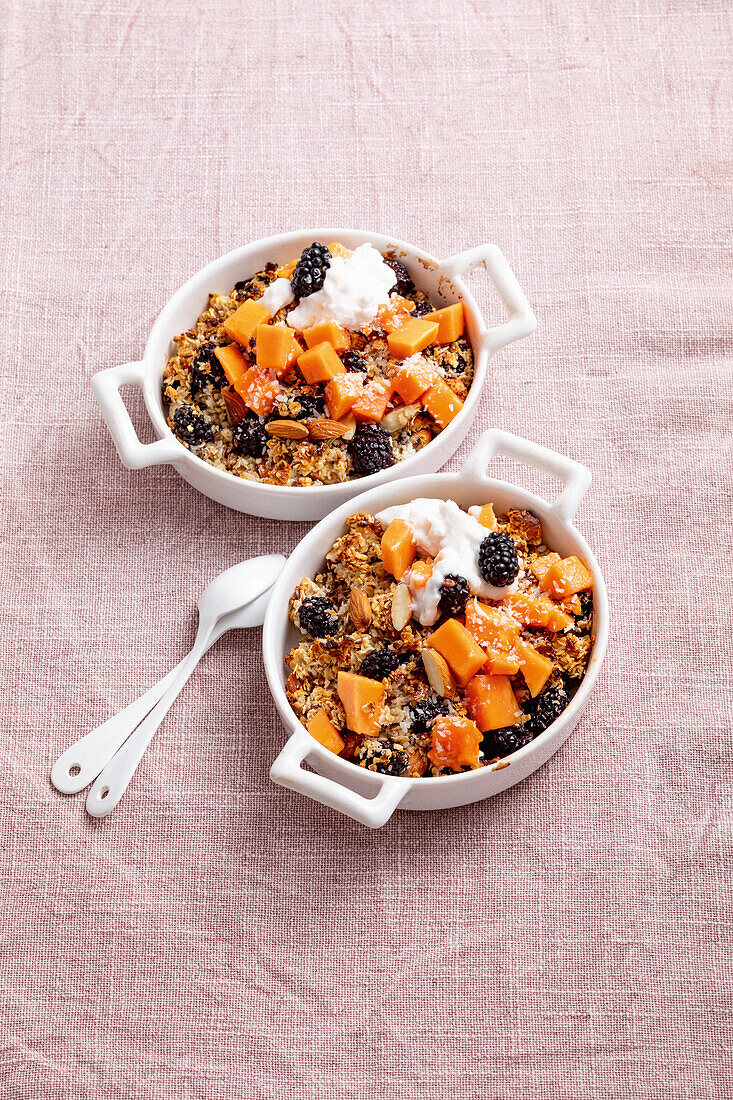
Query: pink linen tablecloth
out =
(219, 937)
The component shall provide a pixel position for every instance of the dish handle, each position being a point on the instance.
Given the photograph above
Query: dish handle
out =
(373, 812)
(134, 454)
(575, 478)
(522, 321)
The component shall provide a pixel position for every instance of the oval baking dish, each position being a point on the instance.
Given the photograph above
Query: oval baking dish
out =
(441, 280)
(370, 797)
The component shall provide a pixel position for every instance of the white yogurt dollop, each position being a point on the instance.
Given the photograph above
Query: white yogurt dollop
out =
(277, 295)
(354, 289)
(452, 538)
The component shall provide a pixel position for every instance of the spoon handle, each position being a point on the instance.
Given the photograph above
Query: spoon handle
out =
(83, 761)
(112, 782)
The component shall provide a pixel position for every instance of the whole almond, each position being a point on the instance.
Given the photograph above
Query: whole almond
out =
(323, 428)
(360, 609)
(287, 429)
(438, 674)
(235, 406)
(401, 607)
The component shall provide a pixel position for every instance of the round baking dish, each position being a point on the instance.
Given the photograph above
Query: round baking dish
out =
(441, 280)
(367, 796)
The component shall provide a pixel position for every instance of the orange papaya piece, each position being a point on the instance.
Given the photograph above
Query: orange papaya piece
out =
(242, 323)
(535, 667)
(455, 743)
(461, 652)
(491, 702)
(232, 363)
(320, 363)
(361, 699)
(441, 403)
(341, 393)
(398, 548)
(258, 391)
(277, 347)
(412, 337)
(490, 626)
(421, 573)
(412, 380)
(329, 332)
(565, 578)
(323, 730)
(451, 322)
(372, 402)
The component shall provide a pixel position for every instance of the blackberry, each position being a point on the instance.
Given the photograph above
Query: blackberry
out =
(381, 756)
(505, 741)
(497, 559)
(422, 306)
(425, 712)
(309, 273)
(318, 617)
(371, 449)
(191, 427)
(378, 664)
(548, 706)
(404, 285)
(454, 593)
(249, 437)
(206, 370)
(354, 362)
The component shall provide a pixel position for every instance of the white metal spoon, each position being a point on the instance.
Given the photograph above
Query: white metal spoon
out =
(84, 760)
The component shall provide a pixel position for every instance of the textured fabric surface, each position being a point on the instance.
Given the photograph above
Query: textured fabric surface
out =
(219, 937)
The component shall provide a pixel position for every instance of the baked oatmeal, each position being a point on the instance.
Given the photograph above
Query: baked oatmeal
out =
(438, 640)
(332, 367)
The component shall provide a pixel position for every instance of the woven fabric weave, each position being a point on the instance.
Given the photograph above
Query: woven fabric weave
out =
(218, 937)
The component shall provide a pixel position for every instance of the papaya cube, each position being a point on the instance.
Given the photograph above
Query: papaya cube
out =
(232, 363)
(258, 391)
(540, 565)
(421, 573)
(244, 320)
(441, 403)
(487, 518)
(338, 249)
(455, 743)
(362, 701)
(341, 393)
(412, 337)
(276, 347)
(536, 668)
(413, 379)
(320, 364)
(537, 611)
(451, 322)
(565, 578)
(325, 733)
(500, 663)
(491, 702)
(459, 649)
(329, 332)
(398, 548)
(372, 402)
(491, 627)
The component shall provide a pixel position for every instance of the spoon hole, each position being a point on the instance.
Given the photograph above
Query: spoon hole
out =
(74, 770)
(104, 792)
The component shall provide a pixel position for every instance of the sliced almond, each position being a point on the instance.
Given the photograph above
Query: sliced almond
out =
(287, 429)
(360, 609)
(401, 607)
(398, 419)
(438, 674)
(323, 428)
(235, 406)
(349, 425)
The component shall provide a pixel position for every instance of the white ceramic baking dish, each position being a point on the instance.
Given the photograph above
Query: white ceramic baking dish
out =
(367, 796)
(442, 280)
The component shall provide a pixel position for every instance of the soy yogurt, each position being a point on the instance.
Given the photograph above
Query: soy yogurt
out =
(354, 288)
